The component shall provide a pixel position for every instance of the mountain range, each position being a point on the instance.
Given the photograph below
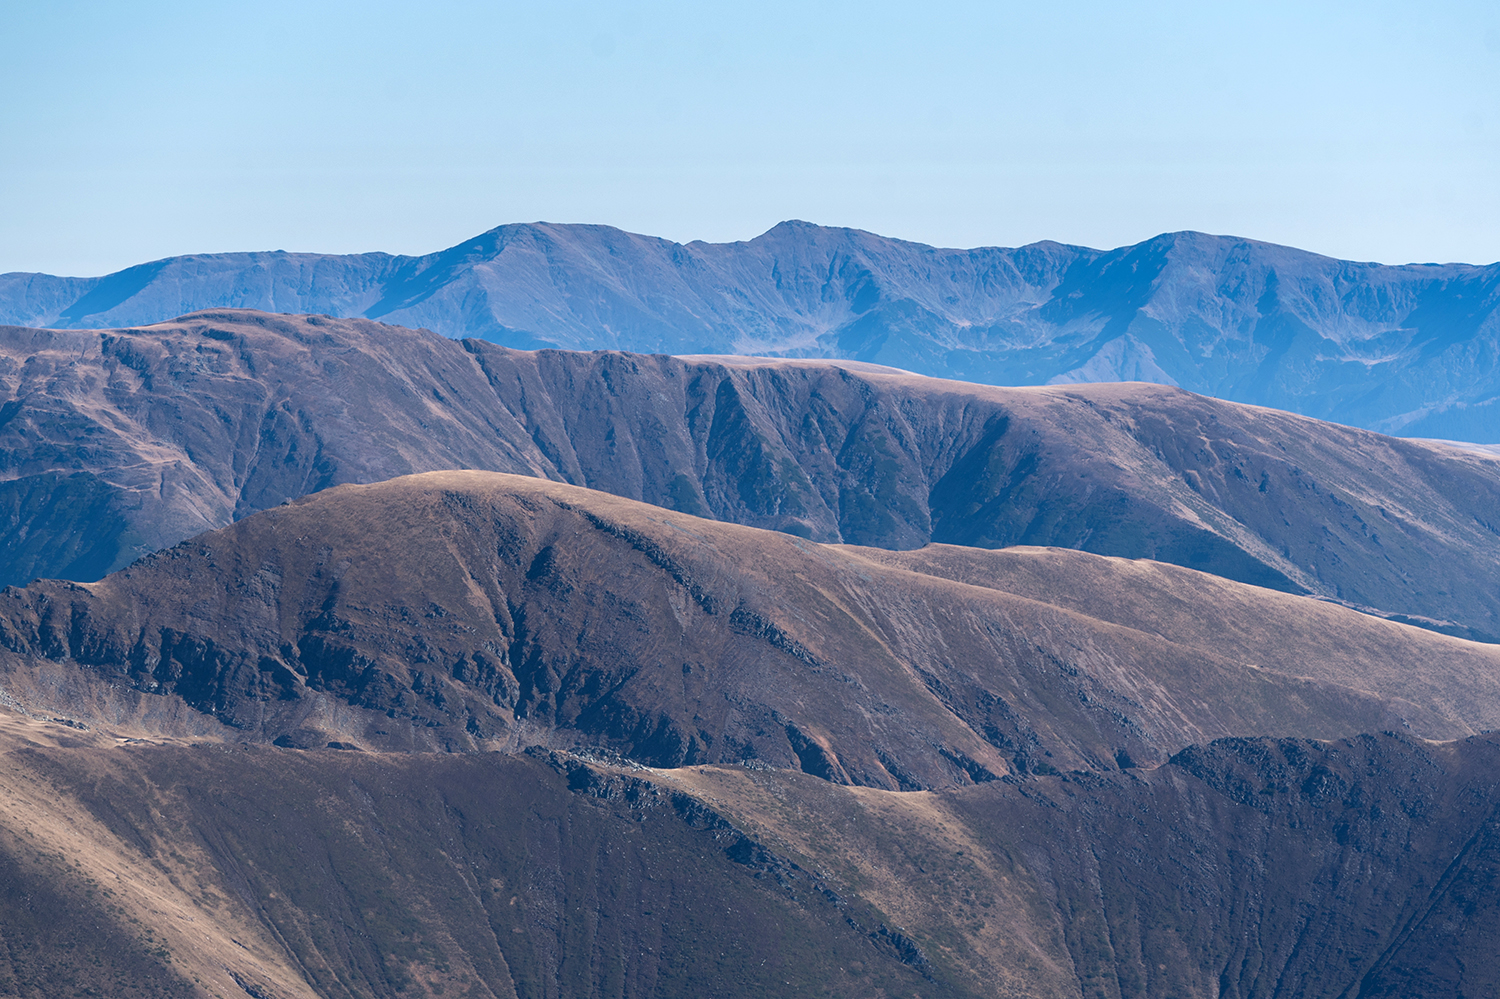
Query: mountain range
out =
(349, 660)
(473, 610)
(119, 443)
(694, 758)
(1411, 349)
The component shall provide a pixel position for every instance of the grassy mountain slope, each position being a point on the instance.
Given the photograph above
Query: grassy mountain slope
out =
(462, 610)
(1243, 868)
(124, 442)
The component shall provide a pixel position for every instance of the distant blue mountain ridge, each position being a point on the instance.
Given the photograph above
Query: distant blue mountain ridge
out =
(1411, 350)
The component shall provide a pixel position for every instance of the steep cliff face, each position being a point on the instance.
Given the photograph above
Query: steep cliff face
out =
(1412, 349)
(117, 443)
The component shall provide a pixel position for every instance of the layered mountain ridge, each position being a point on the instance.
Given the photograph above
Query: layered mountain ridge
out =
(943, 773)
(1411, 349)
(724, 676)
(117, 443)
(473, 610)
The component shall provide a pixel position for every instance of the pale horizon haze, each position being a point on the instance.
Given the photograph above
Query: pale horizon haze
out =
(134, 132)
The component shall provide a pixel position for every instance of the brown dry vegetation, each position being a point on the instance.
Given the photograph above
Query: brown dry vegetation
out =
(464, 610)
(933, 773)
(930, 773)
(1245, 868)
(685, 756)
(218, 870)
(115, 443)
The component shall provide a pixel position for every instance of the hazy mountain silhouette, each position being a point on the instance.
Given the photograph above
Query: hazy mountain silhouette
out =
(1409, 349)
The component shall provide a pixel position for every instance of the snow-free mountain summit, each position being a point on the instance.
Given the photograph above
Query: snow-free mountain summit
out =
(123, 442)
(1412, 350)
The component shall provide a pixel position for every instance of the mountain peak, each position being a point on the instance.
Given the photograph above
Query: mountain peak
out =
(1382, 347)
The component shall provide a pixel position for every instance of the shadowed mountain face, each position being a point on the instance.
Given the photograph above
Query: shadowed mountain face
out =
(122, 442)
(1245, 868)
(462, 610)
(1411, 349)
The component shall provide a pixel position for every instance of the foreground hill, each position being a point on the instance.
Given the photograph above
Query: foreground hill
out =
(1246, 868)
(473, 610)
(698, 758)
(1412, 349)
(114, 444)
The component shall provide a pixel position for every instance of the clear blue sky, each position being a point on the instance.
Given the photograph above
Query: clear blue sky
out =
(130, 131)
